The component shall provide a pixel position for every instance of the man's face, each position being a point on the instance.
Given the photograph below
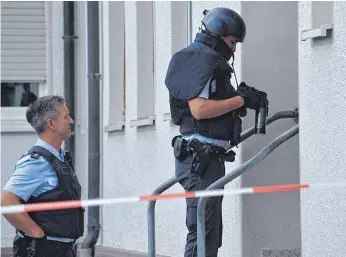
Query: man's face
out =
(231, 42)
(63, 123)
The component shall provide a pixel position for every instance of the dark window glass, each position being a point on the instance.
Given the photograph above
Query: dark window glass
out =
(18, 94)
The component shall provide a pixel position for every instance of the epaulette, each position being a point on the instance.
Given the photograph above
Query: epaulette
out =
(35, 156)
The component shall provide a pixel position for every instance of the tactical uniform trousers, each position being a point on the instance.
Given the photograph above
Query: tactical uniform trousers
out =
(213, 213)
(29, 247)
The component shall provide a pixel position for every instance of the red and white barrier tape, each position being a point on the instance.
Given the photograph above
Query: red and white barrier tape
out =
(95, 202)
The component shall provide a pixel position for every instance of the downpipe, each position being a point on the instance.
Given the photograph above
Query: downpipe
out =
(87, 248)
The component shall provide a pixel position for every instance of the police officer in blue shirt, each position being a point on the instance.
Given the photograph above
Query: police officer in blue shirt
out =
(45, 174)
(208, 110)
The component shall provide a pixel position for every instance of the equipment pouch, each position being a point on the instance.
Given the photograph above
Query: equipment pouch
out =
(179, 145)
(175, 114)
(201, 155)
(68, 157)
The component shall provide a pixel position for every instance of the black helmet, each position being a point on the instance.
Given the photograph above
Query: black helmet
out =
(224, 22)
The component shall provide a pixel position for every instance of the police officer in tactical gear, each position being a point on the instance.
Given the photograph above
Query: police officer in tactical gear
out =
(208, 109)
(45, 174)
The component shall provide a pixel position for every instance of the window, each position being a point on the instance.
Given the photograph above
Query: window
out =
(113, 39)
(180, 20)
(18, 94)
(31, 58)
(140, 79)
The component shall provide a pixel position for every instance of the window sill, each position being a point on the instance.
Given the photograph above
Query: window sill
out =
(15, 125)
(13, 120)
(316, 32)
(150, 121)
(114, 127)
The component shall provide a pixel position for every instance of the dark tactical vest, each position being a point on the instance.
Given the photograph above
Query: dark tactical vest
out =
(66, 223)
(203, 65)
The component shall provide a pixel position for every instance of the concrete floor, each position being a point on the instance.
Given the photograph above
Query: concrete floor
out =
(100, 251)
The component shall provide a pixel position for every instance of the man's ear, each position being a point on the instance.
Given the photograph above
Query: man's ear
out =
(50, 124)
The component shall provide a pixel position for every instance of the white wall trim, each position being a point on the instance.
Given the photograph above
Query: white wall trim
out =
(81, 107)
(15, 123)
(56, 57)
(104, 64)
(112, 44)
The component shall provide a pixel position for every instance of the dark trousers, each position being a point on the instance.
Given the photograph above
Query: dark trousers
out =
(213, 214)
(29, 247)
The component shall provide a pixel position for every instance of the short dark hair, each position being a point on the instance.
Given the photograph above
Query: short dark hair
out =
(43, 109)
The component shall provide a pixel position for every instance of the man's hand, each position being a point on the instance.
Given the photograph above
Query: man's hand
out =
(252, 97)
(21, 221)
(38, 234)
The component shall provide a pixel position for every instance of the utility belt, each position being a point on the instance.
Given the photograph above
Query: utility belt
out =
(21, 234)
(201, 153)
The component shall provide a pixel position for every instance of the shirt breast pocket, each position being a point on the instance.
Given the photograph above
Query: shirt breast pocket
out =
(53, 181)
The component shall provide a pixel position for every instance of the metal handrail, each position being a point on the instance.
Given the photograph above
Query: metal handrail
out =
(151, 215)
(172, 181)
(230, 177)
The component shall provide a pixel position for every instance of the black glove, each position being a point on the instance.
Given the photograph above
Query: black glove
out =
(252, 97)
(241, 112)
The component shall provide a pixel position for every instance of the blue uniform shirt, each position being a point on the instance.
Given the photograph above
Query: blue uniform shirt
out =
(218, 142)
(34, 177)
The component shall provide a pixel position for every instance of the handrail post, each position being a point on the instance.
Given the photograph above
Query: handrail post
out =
(151, 229)
(151, 215)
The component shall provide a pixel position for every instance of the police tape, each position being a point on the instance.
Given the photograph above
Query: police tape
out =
(58, 205)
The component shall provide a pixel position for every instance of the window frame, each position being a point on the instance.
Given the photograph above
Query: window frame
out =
(145, 69)
(113, 92)
(13, 118)
(177, 24)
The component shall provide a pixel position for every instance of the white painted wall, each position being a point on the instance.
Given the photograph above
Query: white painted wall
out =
(270, 63)
(137, 160)
(322, 136)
